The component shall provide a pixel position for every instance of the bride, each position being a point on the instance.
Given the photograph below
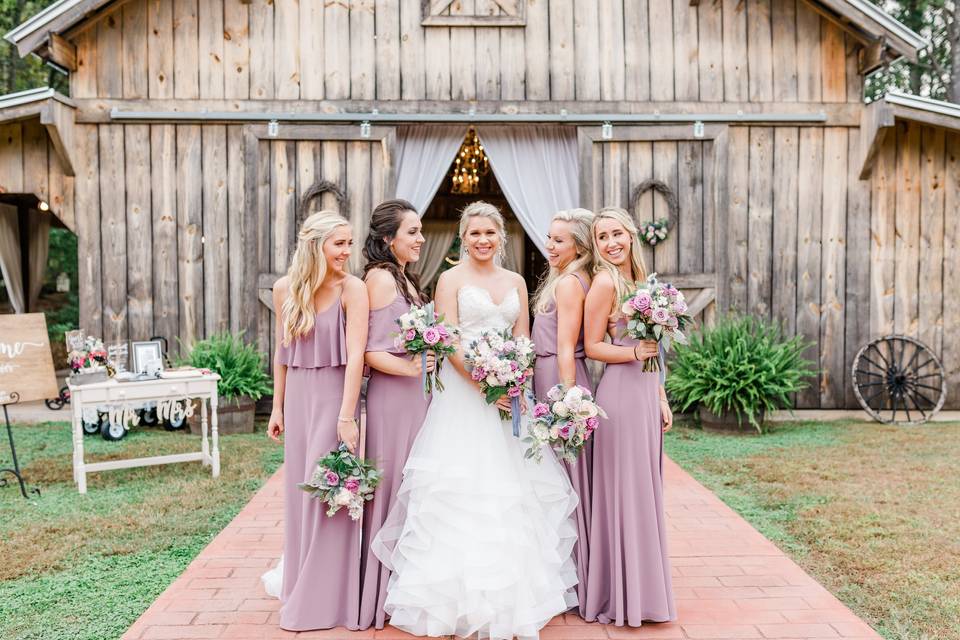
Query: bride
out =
(480, 539)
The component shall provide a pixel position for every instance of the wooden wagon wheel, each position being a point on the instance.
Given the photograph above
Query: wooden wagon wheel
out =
(898, 380)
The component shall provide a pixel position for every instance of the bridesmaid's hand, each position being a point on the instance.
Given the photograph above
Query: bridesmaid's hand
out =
(666, 414)
(647, 349)
(348, 432)
(416, 363)
(503, 403)
(275, 426)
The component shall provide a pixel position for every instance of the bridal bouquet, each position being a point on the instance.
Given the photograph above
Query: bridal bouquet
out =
(502, 365)
(421, 330)
(564, 422)
(656, 311)
(341, 479)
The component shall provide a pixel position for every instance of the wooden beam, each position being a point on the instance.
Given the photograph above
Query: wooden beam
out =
(700, 301)
(872, 56)
(62, 52)
(58, 119)
(97, 110)
(877, 119)
(22, 112)
(830, 9)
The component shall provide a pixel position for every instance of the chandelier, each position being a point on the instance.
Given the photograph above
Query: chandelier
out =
(470, 165)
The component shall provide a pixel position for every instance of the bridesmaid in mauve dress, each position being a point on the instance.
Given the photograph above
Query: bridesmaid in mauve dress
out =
(628, 579)
(395, 403)
(558, 339)
(318, 368)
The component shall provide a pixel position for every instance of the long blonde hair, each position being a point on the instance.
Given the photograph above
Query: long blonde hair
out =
(580, 228)
(481, 209)
(306, 273)
(601, 264)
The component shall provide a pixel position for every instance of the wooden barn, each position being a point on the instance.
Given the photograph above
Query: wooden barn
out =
(197, 133)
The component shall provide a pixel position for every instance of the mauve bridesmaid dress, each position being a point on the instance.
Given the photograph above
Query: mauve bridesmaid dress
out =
(321, 559)
(395, 412)
(628, 578)
(546, 374)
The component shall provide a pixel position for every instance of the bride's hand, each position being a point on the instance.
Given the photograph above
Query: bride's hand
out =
(503, 403)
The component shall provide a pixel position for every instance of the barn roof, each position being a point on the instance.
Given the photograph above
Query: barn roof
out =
(880, 116)
(860, 15)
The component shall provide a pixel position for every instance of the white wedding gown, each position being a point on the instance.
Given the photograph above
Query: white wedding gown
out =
(479, 539)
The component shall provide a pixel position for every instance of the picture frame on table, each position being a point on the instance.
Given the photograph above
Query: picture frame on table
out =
(146, 357)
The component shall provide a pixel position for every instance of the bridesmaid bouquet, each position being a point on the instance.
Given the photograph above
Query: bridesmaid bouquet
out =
(656, 311)
(502, 365)
(341, 479)
(421, 330)
(564, 423)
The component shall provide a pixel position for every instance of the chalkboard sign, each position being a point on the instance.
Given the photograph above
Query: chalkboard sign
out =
(26, 365)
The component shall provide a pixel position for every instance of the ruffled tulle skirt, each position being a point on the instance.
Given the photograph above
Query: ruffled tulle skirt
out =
(479, 540)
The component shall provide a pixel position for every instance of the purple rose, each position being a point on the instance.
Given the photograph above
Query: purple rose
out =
(522, 378)
(641, 301)
(671, 290)
(514, 366)
(331, 478)
(352, 485)
(661, 316)
(540, 409)
(509, 345)
(442, 330)
(411, 334)
(478, 374)
(431, 336)
(679, 306)
(514, 392)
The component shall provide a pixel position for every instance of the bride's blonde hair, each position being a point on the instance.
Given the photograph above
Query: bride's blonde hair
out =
(481, 209)
(581, 231)
(307, 270)
(638, 270)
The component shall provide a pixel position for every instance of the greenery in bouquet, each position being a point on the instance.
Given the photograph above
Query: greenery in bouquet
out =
(564, 421)
(341, 479)
(422, 329)
(656, 311)
(240, 366)
(743, 364)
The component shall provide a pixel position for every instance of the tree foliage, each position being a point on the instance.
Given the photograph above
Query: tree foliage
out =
(16, 73)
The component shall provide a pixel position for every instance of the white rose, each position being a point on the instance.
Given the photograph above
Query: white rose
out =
(540, 432)
(588, 409)
(554, 432)
(492, 380)
(555, 393)
(574, 395)
(560, 409)
(343, 498)
(626, 309)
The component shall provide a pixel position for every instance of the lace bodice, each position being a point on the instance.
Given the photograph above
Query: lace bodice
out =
(478, 313)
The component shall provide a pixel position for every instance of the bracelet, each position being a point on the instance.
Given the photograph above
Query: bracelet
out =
(342, 419)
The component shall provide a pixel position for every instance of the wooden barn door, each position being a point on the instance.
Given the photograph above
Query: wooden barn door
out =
(642, 169)
(302, 169)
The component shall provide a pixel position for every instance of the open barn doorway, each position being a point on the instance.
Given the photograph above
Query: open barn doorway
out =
(441, 218)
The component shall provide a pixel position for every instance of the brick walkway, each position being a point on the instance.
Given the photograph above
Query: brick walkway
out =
(729, 581)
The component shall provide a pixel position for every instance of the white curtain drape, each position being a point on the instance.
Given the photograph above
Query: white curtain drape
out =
(513, 257)
(424, 153)
(538, 169)
(10, 257)
(38, 251)
(438, 237)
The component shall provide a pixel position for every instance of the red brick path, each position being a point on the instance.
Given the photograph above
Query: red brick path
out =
(729, 582)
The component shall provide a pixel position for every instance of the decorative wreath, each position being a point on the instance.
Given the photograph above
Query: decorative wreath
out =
(318, 189)
(654, 232)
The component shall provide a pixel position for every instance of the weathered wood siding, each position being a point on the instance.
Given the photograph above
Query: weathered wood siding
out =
(658, 50)
(30, 164)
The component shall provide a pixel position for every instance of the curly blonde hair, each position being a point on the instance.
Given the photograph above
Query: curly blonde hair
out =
(307, 270)
(580, 228)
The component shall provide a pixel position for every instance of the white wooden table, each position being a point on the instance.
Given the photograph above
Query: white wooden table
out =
(134, 394)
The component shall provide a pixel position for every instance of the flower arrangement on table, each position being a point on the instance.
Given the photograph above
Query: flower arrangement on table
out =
(564, 422)
(342, 479)
(422, 330)
(656, 311)
(502, 365)
(90, 358)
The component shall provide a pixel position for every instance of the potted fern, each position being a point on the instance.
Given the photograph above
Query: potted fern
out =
(736, 372)
(243, 380)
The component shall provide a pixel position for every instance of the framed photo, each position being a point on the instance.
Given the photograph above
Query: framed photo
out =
(147, 356)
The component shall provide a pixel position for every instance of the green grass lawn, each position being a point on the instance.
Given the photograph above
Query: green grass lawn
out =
(85, 567)
(871, 511)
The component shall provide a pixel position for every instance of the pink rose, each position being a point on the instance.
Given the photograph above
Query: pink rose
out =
(411, 334)
(522, 378)
(431, 336)
(352, 485)
(331, 478)
(679, 306)
(641, 301)
(593, 422)
(442, 330)
(661, 315)
(514, 392)
(565, 431)
(671, 290)
(514, 366)
(478, 374)
(509, 345)
(540, 409)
